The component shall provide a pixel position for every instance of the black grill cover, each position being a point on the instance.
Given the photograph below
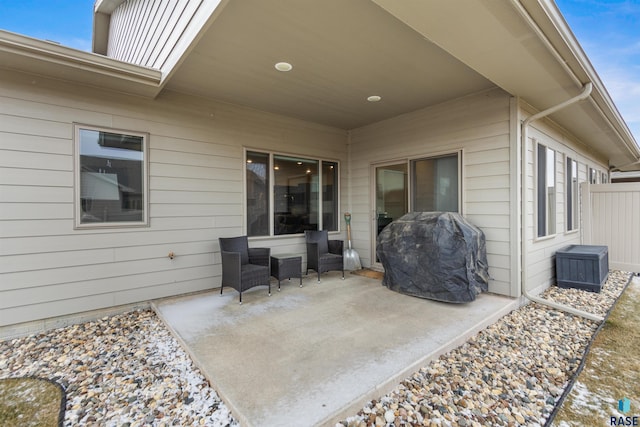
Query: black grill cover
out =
(434, 255)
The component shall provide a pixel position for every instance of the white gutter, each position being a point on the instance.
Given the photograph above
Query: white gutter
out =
(586, 91)
(617, 124)
(53, 61)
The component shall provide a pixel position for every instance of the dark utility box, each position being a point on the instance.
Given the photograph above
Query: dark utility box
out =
(582, 267)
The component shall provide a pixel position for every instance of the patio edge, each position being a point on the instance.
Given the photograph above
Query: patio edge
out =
(389, 384)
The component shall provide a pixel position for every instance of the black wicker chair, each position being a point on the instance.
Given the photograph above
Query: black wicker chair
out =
(243, 267)
(323, 254)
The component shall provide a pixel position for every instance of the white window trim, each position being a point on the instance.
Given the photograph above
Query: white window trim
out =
(271, 154)
(76, 176)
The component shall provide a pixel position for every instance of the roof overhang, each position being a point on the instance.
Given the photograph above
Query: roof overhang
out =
(526, 48)
(52, 60)
(102, 10)
(414, 53)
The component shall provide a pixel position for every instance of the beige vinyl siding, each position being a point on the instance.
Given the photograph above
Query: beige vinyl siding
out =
(540, 252)
(147, 32)
(479, 126)
(196, 195)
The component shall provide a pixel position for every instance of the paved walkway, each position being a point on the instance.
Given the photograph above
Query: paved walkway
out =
(318, 352)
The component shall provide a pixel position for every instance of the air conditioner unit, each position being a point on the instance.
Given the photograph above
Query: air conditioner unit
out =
(582, 267)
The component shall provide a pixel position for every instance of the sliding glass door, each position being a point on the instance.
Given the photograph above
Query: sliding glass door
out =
(426, 184)
(391, 194)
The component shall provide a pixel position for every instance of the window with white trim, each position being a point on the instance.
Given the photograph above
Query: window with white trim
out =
(111, 177)
(571, 180)
(290, 194)
(546, 191)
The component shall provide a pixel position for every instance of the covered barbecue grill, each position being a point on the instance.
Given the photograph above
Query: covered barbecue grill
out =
(435, 255)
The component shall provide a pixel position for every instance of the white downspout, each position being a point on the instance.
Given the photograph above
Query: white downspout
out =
(586, 91)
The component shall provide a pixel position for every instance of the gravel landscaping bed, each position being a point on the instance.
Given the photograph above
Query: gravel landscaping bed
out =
(511, 373)
(127, 370)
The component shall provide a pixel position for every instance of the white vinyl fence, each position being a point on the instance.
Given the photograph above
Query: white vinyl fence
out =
(611, 217)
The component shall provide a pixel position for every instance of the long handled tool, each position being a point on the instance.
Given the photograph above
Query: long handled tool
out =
(350, 257)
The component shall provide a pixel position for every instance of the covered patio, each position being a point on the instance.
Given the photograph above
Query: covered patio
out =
(316, 354)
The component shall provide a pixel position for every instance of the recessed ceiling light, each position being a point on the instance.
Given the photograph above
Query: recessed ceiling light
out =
(283, 66)
(299, 163)
(374, 98)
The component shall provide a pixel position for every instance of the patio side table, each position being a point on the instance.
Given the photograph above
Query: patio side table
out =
(286, 266)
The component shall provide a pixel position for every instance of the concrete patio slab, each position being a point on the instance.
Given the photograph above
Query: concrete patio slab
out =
(314, 355)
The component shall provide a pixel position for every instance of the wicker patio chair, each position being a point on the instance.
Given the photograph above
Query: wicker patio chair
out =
(323, 254)
(242, 267)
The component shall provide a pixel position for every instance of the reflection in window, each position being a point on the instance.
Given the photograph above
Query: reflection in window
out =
(571, 178)
(257, 194)
(546, 190)
(305, 194)
(330, 196)
(111, 177)
(391, 194)
(435, 184)
(295, 195)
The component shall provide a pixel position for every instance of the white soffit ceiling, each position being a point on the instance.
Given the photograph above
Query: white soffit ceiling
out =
(342, 52)
(411, 53)
(521, 51)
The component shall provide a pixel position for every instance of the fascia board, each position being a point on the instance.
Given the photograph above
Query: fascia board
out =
(106, 6)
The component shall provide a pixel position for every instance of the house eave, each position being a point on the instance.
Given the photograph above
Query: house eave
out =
(41, 57)
(107, 6)
(102, 10)
(548, 17)
(527, 49)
